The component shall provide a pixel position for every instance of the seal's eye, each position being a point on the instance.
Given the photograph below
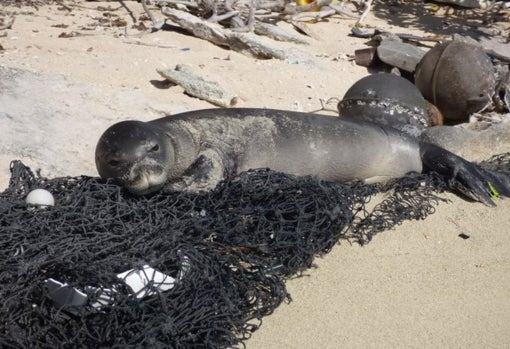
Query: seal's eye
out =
(154, 149)
(114, 163)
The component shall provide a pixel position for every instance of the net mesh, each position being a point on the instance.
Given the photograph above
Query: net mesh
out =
(225, 254)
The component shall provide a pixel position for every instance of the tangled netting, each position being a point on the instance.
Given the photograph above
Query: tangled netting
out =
(227, 252)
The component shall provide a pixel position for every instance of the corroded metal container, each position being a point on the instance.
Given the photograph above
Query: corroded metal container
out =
(458, 78)
(386, 99)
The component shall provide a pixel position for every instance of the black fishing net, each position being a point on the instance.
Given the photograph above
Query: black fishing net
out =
(209, 266)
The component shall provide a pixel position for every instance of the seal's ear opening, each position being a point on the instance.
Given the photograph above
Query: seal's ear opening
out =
(463, 176)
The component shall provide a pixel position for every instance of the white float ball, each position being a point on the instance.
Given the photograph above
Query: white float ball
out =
(40, 197)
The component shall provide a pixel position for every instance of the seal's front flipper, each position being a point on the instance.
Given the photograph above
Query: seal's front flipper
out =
(463, 176)
(204, 174)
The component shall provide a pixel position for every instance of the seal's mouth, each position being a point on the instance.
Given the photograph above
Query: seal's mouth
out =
(145, 179)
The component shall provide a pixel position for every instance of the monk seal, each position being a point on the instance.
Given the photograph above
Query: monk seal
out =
(196, 150)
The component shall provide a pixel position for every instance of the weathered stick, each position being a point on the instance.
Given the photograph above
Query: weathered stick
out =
(246, 43)
(198, 27)
(8, 24)
(156, 25)
(368, 6)
(253, 46)
(274, 32)
(141, 43)
(196, 86)
(306, 29)
(314, 16)
(342, 10)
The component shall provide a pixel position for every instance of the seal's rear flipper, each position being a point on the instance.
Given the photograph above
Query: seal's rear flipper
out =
(463, 176)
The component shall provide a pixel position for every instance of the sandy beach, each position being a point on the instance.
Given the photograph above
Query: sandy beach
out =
(417, 286)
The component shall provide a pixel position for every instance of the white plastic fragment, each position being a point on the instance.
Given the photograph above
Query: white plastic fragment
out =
(143, 282)
(104, 296)
(64, 294)
(139, 279)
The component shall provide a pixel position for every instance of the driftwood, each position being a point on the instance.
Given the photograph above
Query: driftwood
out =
(196, 86)
(246, 43)
(224, 22)
(8, 24)
(326, 11)
(228, 23)
(274, 32)
(306, 29)
(242, 14)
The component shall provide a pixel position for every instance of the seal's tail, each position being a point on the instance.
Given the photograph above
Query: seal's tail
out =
(463, 176)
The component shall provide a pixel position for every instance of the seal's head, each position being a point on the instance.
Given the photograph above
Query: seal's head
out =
(136, 155)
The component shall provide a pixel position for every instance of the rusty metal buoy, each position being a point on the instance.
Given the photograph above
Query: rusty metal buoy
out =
(458, 78)
(387, 99)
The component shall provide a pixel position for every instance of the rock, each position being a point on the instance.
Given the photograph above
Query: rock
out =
(399, 54)
(52, 123)
(475, 141)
